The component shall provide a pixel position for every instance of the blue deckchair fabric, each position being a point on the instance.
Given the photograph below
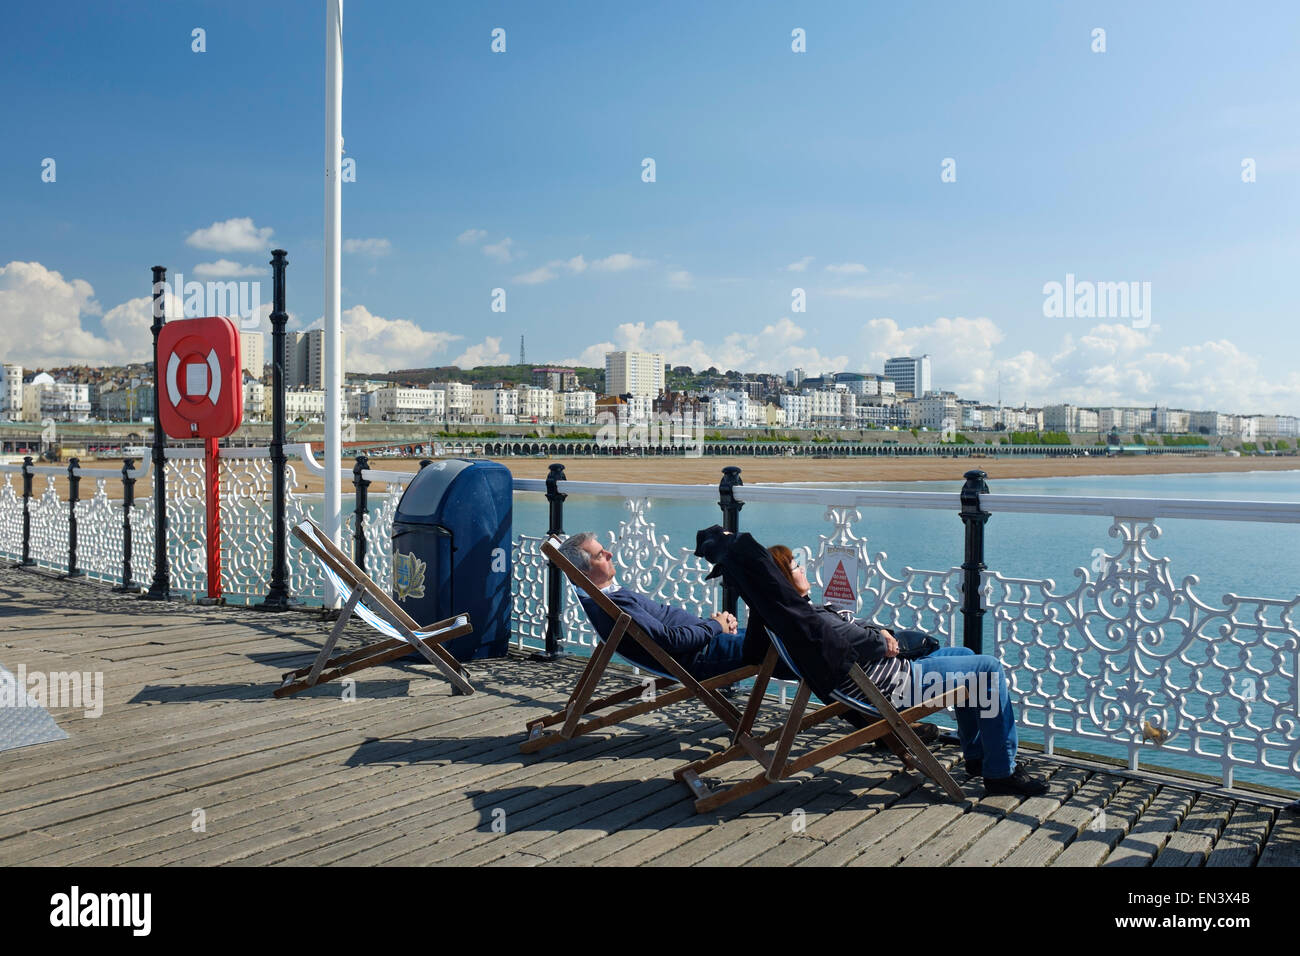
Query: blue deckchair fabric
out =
(847, 693)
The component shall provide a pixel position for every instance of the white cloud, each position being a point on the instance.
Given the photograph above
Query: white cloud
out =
(41, 316)
(224, 268)
(372, 343)
(487, 352)
(775, 345)
(500, 251)
(867, 290)
(800, 266)
(546, 273)
(619, 262)
(1105, 365)
(367, 247)
(232, 235)
(471, 236)
(680, 279)
(847, 268)
(538, 275)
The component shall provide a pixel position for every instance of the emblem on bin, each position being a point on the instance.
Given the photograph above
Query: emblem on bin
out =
(408, 576)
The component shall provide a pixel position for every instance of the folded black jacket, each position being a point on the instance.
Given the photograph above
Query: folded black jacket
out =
(821, 645)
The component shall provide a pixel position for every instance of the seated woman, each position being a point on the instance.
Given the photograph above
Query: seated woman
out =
(987, 732)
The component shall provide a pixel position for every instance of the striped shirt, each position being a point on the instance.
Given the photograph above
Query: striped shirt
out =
(889, 674)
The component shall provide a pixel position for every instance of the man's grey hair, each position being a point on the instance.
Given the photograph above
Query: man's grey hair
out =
(572, 550)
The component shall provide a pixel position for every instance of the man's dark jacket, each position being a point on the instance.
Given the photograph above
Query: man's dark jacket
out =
(821, 646)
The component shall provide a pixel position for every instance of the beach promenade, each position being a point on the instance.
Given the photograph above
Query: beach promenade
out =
(192, 762)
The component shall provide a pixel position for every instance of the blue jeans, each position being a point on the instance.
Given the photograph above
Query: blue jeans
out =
(723, 653)
(987, 729)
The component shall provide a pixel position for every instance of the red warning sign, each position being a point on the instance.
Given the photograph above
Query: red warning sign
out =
(839, 590)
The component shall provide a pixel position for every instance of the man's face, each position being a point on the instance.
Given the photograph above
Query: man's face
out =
(601, 571)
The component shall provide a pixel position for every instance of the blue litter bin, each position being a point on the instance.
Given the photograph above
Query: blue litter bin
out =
(451, 551)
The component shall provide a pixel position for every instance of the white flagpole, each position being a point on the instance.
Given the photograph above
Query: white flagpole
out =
(331, 358)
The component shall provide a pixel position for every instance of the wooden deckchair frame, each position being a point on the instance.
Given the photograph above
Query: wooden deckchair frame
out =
(647, 695)
(893, 726)
(326, 668)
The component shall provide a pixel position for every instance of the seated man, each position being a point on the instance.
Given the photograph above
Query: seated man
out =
(705, 648)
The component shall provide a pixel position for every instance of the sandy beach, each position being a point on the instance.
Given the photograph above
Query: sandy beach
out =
(771, 470)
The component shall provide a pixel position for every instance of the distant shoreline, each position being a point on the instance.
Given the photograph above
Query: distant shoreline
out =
(763, 470)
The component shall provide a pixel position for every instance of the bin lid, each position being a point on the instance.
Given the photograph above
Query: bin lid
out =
(421, 503)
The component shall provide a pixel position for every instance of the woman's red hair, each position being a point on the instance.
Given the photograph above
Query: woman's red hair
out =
(784, 559)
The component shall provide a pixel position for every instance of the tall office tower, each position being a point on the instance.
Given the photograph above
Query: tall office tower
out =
(910, 374)
(305, 358)
(634, 373)
(11, 391)
(253, 354)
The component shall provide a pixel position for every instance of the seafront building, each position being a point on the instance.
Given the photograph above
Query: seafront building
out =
(910, 374)
(252, 354)
(634, 373)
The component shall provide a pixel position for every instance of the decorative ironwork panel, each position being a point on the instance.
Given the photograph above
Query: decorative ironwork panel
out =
(1133, 657)
(928, 601)
(187, 532)
(528, 598)
(99, 534)
(49, 521)
(11, 518)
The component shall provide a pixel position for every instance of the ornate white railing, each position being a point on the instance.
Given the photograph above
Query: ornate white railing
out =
(99, 519)
(1127, 649)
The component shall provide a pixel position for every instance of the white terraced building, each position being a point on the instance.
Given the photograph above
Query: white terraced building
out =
(399, 404)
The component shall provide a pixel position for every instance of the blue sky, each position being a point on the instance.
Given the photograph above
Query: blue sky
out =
(774, 170)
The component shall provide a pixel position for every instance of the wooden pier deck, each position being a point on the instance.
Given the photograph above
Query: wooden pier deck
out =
(194, 763)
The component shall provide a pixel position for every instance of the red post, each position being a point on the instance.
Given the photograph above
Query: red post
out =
(212, 475)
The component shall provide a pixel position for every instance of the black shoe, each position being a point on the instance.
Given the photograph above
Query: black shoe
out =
(975, 767)
(1020, 783)
(1293, 808)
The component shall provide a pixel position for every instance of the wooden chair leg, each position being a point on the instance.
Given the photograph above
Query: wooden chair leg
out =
(906, 735)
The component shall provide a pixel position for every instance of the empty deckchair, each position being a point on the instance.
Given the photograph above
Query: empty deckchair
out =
(658, 691)
(855, 692)
(402, 632)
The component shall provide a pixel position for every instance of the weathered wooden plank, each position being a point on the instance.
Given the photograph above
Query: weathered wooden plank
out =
(1243, 837)
(1191, 843)
(849, 779)
(1008, 833)
(1140, 846)
(774, 820)
(459, 819)
(1095, 843)
(234, 799)
(1282, 847)
(1086, 809)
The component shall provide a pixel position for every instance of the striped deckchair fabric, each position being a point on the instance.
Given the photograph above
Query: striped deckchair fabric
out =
(402, 634)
